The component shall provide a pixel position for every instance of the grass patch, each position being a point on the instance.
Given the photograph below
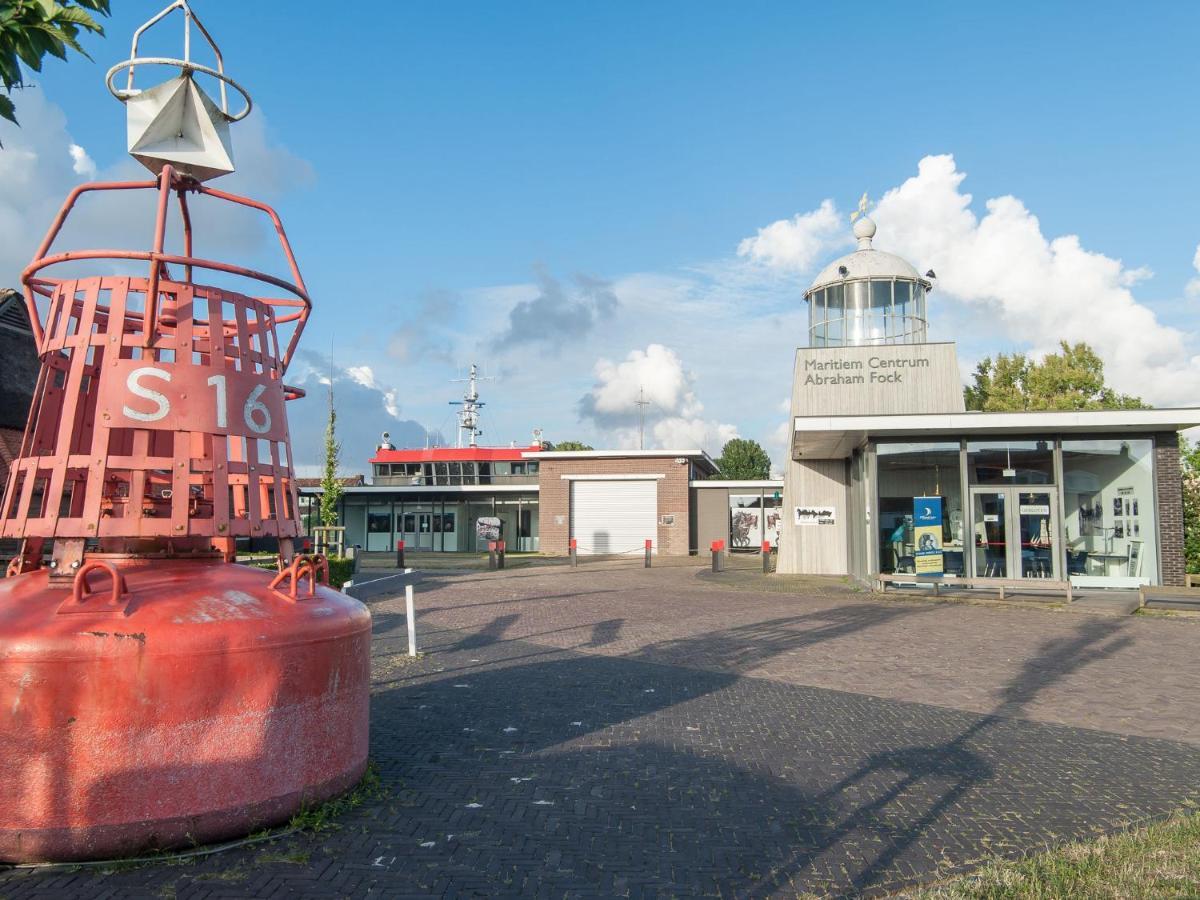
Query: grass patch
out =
(294, 856)
(240, 872)
(322, 817)
(1158, 860)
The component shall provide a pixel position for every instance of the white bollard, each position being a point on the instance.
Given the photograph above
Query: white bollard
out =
(412, 620)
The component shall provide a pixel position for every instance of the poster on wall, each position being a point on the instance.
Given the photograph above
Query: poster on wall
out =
(927, 535)
(745, 528)
(816, 515)
(1090, 515)
(771, 529)
(487, 528)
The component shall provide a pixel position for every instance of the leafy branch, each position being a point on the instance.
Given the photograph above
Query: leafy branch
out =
(31, 29)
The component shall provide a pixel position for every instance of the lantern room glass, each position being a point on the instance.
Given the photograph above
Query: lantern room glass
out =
(866, 312)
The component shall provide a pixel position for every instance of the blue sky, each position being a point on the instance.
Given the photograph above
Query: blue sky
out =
(452, 161)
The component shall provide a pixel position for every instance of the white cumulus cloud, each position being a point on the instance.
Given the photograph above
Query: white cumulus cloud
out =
(798, 242)
(673, 413)
(1193, 286)
(82, 164)
(1037, 289)
(365, 376)
(1002, 269)
(365, 407)
(675, 433)
(41, 163)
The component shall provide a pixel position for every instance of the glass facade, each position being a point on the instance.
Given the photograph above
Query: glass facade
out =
(1024, 507)
(440, 522)
(454, 474)
(754, 518)
(906, 472)
(1011, 462)
(1109, 521)
(863, 312)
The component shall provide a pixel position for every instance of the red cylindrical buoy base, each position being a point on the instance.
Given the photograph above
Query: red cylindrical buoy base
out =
(201, 706)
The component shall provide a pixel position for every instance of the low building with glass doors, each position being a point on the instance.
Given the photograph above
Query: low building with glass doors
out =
(1093, 497)
(888, 473)
(434, 498)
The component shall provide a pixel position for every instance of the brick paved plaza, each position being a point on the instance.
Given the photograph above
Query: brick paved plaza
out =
(611, 731)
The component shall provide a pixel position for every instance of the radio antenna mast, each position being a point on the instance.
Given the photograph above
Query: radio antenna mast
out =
(468, 415)
(642, 403)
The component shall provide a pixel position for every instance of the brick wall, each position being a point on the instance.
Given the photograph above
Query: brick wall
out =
(554, 493)
(1169, 491)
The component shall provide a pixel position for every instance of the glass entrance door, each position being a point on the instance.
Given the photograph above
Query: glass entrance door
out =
(418, 530)
(1015, 532)
(424, 531)
(989, 518)
(1033, 514)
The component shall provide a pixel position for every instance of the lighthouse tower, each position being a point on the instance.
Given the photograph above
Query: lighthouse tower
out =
(154, 692)
(867, 298)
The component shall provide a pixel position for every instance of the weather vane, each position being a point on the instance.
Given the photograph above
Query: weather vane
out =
(863, 205)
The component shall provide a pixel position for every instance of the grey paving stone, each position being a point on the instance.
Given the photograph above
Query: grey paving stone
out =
(666, 743)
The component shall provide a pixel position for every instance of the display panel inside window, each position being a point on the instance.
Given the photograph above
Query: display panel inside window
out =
(1109, 515)
(907, 472)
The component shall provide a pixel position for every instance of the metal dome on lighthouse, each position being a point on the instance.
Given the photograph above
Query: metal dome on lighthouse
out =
(867, 297)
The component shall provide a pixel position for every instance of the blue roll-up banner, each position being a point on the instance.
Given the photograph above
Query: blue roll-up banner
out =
(927, 535)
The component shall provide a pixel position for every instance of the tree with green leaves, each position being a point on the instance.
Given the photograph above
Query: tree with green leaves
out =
(744, 460)
(571, 445)
(1073, 378)
(1190, 464)
(30, 29)
(331, 486)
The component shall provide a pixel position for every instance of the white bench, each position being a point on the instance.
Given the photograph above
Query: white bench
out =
(1004, 584)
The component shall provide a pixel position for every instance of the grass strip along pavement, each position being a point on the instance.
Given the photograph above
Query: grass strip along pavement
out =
(1158, 860)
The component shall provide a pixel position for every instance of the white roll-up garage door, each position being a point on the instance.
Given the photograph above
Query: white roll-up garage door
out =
(614, 516)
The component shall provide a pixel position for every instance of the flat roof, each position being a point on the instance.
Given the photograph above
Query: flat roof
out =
(453, 454)
(620, 454)
(834, 437)
(432, 489)
(734, 483)
(699, 456)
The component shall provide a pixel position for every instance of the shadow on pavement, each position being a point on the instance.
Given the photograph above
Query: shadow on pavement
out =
(667, 772)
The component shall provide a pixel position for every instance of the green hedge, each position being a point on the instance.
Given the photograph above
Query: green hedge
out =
(341, 570)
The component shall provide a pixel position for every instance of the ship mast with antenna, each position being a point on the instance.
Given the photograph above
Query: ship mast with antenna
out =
(468, 415)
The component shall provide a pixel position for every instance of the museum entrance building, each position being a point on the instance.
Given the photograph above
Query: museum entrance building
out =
(888, 473)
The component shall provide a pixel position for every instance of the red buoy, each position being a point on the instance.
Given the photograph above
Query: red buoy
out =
(191, 704)
(152, 692)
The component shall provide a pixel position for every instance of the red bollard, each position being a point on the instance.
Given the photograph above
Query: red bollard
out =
(492, 555)
(574, 552)
(718, 562)
(500, 547)
(399, 554)
(766, 557)
(649, 547)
